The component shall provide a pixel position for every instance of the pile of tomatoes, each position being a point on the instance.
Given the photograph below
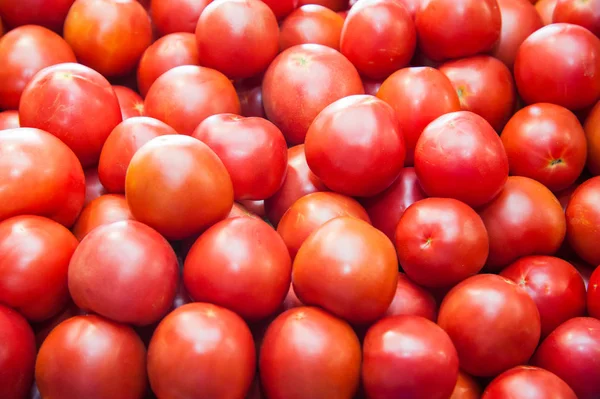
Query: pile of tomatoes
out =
(299, 199)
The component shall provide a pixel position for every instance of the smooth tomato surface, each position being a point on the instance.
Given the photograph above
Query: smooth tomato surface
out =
(592, 134)
(532, 381)
(335, 5)
(311, 24)
(546, 10)
(130, 102)
(47, 13)
(105, 209)
(93, 186)
(411, 299)
(593, 294)
(466, 387)
(9, 120)
(176, 16)
(583, 215)
(249, 92)
(583, 13)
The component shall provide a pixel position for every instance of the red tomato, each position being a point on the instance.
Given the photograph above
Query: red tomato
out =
(44, 328)
(418, 95)
(408, 356)
(583, 216)
(372, 86)
(9, 120)
(39, 175)
(440, 242)
(301, 82)
(459, 155)
(547, 143)
(165, 190)
(176, 16)
(252, 149)
(392, 37)
(307, 353)
(239, 210)
(593, 294)
(335, 5)
(584, 13)
(361, 276)
(124, 271)
(311, 212)
(74, 103)
(249, 92)
(91, 357)
(50, 14)
(525, 219)
(457, 28)
(281, 8)
(546, 10)
(466, 387)
(186, 95)
(291, 300)
(93, 186)
(592, 133)
(166, 53)
(484, 86)
(572, 82)
(130, 102)
(311, 24)
(120, 146)
(412, 300)
(256, 207)
(528, 382)
(1, 28)
(355, 146)
(105, 209)
(24, 52)
(571, 352)
(201, 348)
(108, 36)
(493, 323)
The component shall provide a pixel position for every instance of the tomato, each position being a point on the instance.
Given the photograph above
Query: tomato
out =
(484, 86)
(312, 211)
(457, 28)
(335, 5)
(528, 382)
(186, 95)
(355, 146)
(372, 86)
(44, 328)
(291, 300)
(392, 37)
(546, 10)
(25, 51)
(252, 149)
(419, 96)
(39, 175)
(459, 155)
(412, 300)
(301, 82)
(408, 356)
(166, 53)
(120, 146)
(584, 270)
(106, 209)
(93, 186)
(298, 182)
(249, 92)
(583, 214)
(361, 276)
(311, 24)
(91, 357)
(572, 82)
(571, 352)
(256, 207)
(593, 294)
(586, 14)
(201, 348)
(493, 323)
(525, 219)
(592, 133)
(176, 16)
(9, 120)
(130, 102)
(281, 8)
(308, 353)
(466, 387)
(74, 103)
(47, 13)
(239, 210)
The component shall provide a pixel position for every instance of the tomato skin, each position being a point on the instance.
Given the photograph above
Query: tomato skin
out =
(311, 24)
(239, 210)
(281, 8)
(571, 352)
(355, 146)
(44, 328)
(301, 82)
(24, 52)
(308, 353)
(249, 92)
(9, 120)
(583, 214)
(574, 53)
(335, 5)
(592, 134)
(50, 14)
(412, 300)
(106, 209)
(393, 367)
(530, 382)
(546, 10)
(130, 102)
(466, 387)
(93, 186)
(91, 357)
(201, 347)
(186, 95)
(586, 14)
(176, 16)
(593, 294)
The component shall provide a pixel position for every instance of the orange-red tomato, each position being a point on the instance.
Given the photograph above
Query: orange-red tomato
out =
(583, 216)
(546, 10)
(592, 134)
(466, 387)
(93, 186)
(311, 24)
(412, 300)
(531, 381)
(175, 16)
(281, 8)
(47, 13)
(335, 5)
(130, 102)
(106, 209)
(9, 120)
(583, 13)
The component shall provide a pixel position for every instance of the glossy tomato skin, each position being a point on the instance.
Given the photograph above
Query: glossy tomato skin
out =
(408, 356)
(573, 82)
(571, 352)
(358, 284)
(418, 95)
(186, 95)
(130, 102)
(307, 352)
(281, 8)
(583, 214)
(120, 146)
(201, 347)
(91, 357)
(592, 134)
(93, 186)
(466, 387)
(50, 14)
(528, 382)
(311, 24)
(176, 16)
(586, 14)
(25, 51)
(9, 120)
(524, 219)
(355, 146)
(249, 92)
(312, 211)
(301, 82)
(106, 209)
(412, 300)
(593, 294)
(459, 155)
(335, 5)
(546, 10)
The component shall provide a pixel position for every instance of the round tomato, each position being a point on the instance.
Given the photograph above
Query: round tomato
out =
(466, 387)
(249, 92)
(105, 209)
(9, 120)
(592, 134)
(335, 5)
(583, 13)
(412, 300)
(546, 10)
(48, 13)
(311, 24)
(583, 216)
(281, 8)
(130, 102)
(176, 16)
(593, 294)
(528, 382)
(93, 186)
(44, 328)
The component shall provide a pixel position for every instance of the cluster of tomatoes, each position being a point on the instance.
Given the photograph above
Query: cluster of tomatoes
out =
(296, 199)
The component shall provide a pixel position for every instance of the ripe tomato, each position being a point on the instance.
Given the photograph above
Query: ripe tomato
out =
(281, 8)
(176, 16)
(9, 120)
(355, 146)
(47, 13)
(91, 357)
(186, 95)
(249, 92)
(592, 134)
(335, 5)
(546, 10)
(593, 294)
(372, 86)
(411, 299)
(408, 356)
(311, 212)
(527, 381)
(24, 52)
(74, 103)
(466, 387)
(93, 186)
(361, 273)
(311, 24)
(239, 210)
(308, 353)
(572, 82)
(105, 209)
(203, 348)
(44, 328)
(493, 323)
(301, 82)
(39, 175)
(586, 14)
(583, 215)
(130, 102)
